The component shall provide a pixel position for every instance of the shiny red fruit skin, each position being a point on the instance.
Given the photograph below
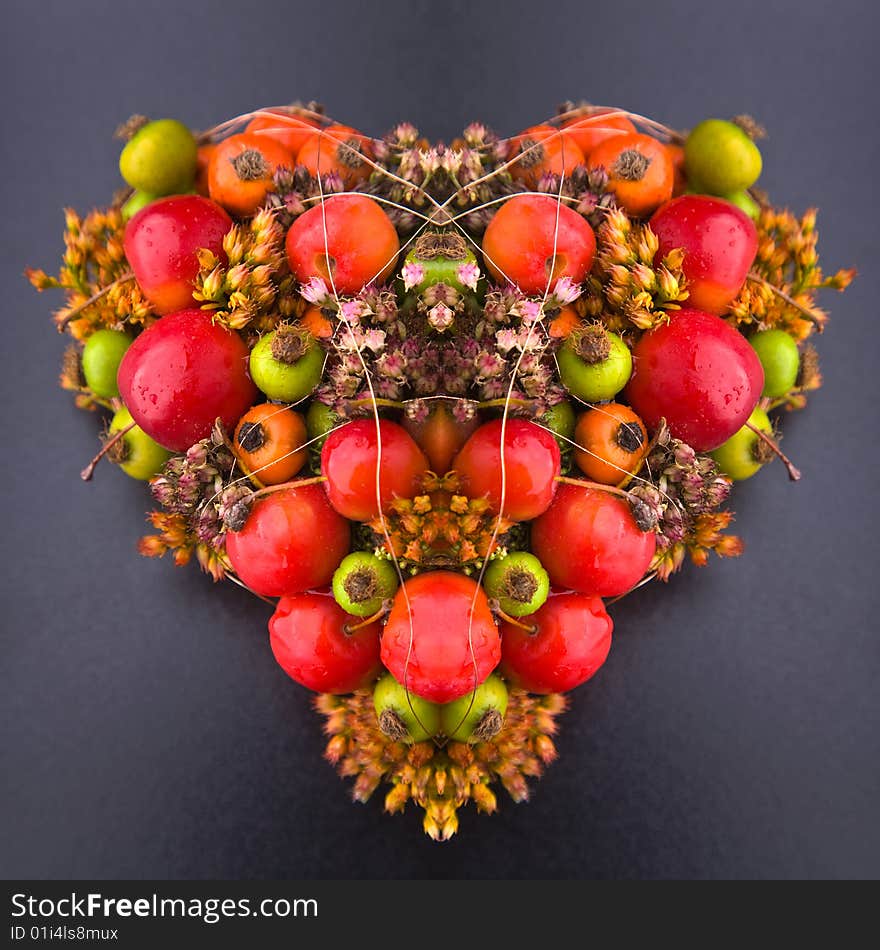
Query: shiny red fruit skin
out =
(162, 242)
(531, 463)
(360, 240)
(519, 243)
(348, 462)
(308, 638)
(571, 643)
(588, 541)
(699, 374)
(720, 243)
(181, 374)
(440, 436)
(443, 654)
(292, 541)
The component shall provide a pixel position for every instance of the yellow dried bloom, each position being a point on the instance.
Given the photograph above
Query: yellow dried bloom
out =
(626, 290)
(101, 291)
(781, 290)
(254, 290)
(440, 779)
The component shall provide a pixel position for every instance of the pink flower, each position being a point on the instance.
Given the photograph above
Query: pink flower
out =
(315, 291)
(506, 340)
(353, 338)
(488, 365)
(352, 311)
(566, 291)
(530, 311)
(374, 340)
(412, 274)
(440, 317)
(468, 274)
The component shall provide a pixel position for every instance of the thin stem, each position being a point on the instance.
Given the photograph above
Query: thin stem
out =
(758, 279)
(385, 403)
(501, 403)
(89, 470)
(793, 473)
(301, 483)
(235, 580)
(528, 627)
(583, 483)
(378, 615)
(645, 580)
(72, 314)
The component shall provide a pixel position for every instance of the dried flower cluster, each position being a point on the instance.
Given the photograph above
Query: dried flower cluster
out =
(441, 780)
(198, 501)
(254, 288)
(626, 289)
(681, 493)
(99, 287)
(786, 276)
(441, 529)
(440, 181)
(296, 191)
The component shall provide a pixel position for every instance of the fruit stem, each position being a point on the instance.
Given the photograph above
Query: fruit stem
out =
(645, 580)
(301, 483)
(384, 403)
(72, 314)
(89, 470)
(528, 627)
(235, 580)
(502, 403)
(793, 473)
(758, 279)
(583, 483)
(378, 615)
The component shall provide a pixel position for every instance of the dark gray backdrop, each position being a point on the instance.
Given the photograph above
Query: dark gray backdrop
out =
(147, 731)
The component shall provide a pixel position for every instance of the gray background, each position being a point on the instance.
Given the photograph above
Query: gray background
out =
(147, 731)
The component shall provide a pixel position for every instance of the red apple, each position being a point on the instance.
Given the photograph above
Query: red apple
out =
(347, 238)
(292, 541)
(183, 373)
(440, 639)
(162, 242)
(312, 644)
(519, 243)
(349, 458)
(571, 641)
(530, 468)
(588, 541)
(720, 243)
(699, 374)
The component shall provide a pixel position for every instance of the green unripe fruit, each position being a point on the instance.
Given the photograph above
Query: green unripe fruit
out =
(745, 451)
(745, 202)
(402, 717)
(363, 582)
(160, 158)
(440, 255)
(287, 364)
(138, 200)
(781, 359)
(560, 420)
(321, 420)
(135, 453)
(594, 364)
(101, 357)
(721, 157)
(477, 716)
(518, 582)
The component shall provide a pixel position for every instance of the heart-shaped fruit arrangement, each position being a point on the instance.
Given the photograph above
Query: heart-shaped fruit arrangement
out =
(440, 405)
